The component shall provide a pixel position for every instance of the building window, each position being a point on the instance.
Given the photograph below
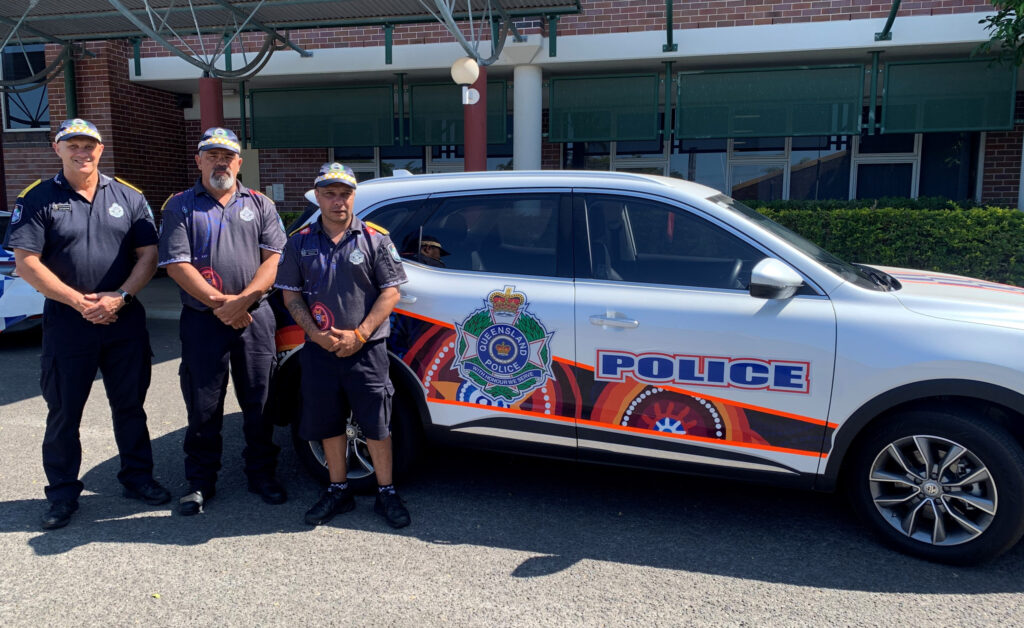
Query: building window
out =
(885, 165)
(29, 109)
(703, 161)
(949, 167)
(819, 167)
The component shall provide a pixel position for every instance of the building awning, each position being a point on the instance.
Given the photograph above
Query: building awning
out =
(76, 20)
(957, 95)
(174, 24)
(823, 100)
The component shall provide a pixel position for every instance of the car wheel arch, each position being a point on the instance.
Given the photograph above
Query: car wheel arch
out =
(975, 397)
(405, 381)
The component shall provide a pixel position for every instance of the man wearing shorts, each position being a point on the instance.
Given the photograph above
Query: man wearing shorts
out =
(339, 278)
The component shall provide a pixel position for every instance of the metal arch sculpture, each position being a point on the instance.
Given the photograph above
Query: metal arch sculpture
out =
(158, 29)
(444, 12)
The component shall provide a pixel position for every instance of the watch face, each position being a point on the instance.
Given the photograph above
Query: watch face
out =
(127, 298)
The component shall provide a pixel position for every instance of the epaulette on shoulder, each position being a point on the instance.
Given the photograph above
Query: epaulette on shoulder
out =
(123, 182)
(375, 227)
(164, 206)
(29, 188)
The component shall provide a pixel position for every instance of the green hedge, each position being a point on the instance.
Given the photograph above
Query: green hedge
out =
(983, 242)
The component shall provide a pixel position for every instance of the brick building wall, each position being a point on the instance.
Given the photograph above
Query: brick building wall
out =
(142, 127)
(295, 168)
(27, 156)
(621, 16)
(1001, 178)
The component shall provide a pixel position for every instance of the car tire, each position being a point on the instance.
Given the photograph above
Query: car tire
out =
(406, 438)
(945, 485)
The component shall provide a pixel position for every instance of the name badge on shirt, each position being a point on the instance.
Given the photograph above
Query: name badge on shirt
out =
(60, 207)
(309, 252)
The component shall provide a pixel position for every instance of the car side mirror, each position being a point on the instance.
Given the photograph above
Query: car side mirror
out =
(773, 279)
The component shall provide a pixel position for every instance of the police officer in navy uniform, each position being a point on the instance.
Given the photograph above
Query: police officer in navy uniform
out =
(87, 242)
(340, 279)
(220, 242)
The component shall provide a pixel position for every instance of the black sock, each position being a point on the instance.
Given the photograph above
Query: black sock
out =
(337, 487)
(387, 488)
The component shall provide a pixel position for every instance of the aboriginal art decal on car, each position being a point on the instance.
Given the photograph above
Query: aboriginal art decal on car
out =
(574, 392)
(502, 349)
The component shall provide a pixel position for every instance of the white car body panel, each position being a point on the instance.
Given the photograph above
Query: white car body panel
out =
(859, 342)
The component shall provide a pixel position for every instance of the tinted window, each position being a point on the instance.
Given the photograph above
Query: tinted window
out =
(643, 241)
(393, 218)
(508, 233)
(882, 180)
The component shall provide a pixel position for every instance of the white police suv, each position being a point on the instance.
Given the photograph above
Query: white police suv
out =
(21, 305)
(650, 321)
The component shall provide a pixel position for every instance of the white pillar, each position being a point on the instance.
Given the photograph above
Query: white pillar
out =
(526, 117)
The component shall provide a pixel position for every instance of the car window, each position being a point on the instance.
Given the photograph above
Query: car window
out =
(392, 216)
(499, 233)
(644, 241)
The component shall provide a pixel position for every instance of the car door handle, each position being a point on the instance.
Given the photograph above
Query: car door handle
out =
(608, 321)
(406, 298)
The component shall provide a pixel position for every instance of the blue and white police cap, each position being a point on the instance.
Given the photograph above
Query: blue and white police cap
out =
(77, 127)
(335, 173)
(217, 137)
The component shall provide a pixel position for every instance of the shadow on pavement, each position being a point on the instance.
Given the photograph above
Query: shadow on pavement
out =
(21, 351)
(561, 511)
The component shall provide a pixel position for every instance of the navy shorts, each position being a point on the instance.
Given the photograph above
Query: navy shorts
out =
(333, 388)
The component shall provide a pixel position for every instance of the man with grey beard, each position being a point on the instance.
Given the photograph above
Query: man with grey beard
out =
(221, 242)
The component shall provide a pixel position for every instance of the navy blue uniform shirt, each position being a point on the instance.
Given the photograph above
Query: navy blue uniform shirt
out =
(340, 282)
(89, 246)
(218, 240)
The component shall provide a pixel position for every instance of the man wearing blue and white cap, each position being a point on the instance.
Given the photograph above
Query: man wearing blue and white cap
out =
(339, 279)
(88, 243)
(220, 242)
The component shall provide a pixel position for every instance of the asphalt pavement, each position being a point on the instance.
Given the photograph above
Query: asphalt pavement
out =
(495, 540)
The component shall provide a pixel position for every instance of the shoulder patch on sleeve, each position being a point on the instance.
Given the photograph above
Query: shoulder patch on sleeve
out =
(29, 188)
(376, 227)
(123, 182)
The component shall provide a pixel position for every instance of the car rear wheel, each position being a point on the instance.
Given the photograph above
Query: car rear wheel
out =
(405, 442)
(942, 485)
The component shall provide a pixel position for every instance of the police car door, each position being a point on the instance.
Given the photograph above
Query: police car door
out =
(688, 368)
(488, 330)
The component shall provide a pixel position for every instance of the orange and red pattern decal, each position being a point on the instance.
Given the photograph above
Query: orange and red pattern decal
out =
(572, 393)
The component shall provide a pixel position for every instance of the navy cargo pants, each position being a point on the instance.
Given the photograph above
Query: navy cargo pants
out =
(208, 349)
(73, 350)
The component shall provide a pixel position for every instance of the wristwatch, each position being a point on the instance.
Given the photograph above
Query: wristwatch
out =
(126, 297)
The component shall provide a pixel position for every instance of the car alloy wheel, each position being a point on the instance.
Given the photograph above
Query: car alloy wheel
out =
(933, 490)
(357, 455)
(943, 483)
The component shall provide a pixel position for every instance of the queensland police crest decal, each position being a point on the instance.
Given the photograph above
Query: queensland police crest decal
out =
(115, 210)
(246, 214)
(503, 348)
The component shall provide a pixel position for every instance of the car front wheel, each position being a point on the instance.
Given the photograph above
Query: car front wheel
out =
(943, 485)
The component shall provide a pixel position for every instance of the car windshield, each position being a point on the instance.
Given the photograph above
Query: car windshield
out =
(855, 273)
